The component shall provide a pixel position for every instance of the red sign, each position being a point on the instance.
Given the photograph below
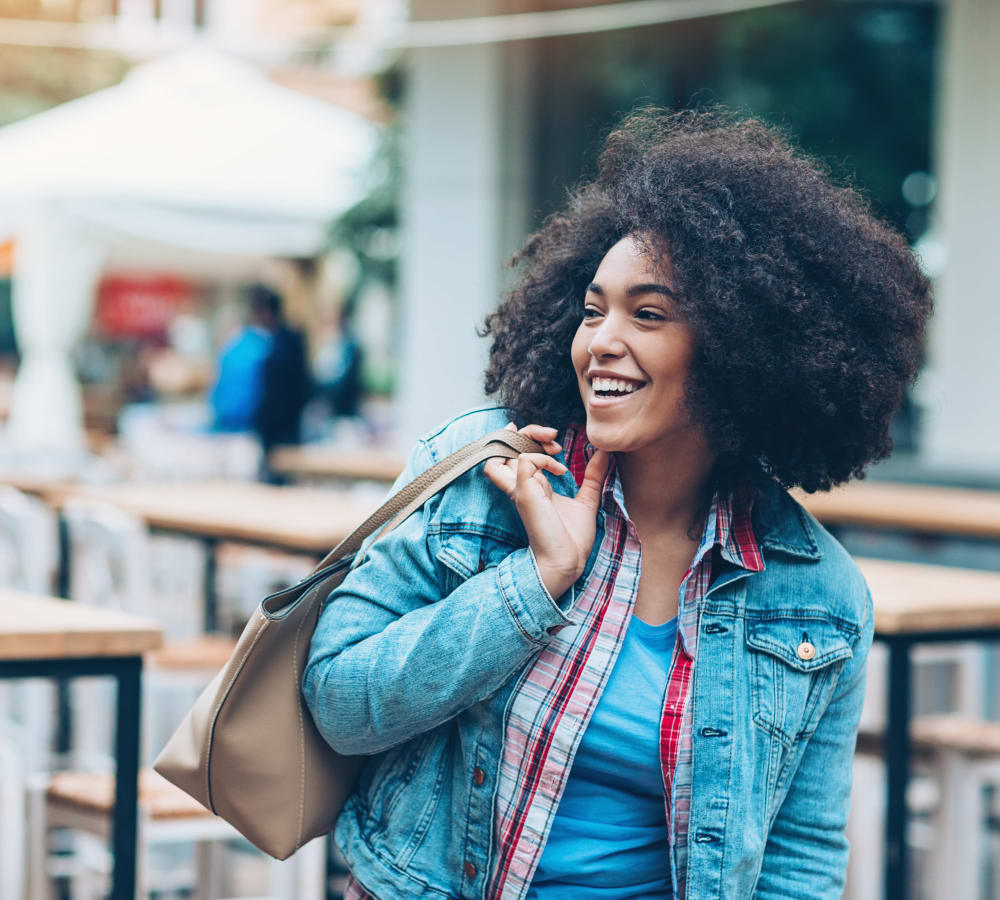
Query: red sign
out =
(139, 307)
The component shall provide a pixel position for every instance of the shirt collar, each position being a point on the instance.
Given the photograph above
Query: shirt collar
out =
(729, 521)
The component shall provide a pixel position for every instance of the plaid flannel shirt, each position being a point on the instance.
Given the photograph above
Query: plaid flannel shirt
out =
(559, 689)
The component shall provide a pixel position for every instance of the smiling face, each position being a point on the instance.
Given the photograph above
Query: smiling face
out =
(631, 329)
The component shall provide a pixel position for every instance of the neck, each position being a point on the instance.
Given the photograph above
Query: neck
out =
(667, 489)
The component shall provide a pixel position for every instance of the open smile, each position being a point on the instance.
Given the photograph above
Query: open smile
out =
(598, 402)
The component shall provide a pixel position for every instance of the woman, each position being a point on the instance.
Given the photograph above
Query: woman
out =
(632, 666)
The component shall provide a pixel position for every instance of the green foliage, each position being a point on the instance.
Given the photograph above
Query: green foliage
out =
(369, 229)
(853, 82)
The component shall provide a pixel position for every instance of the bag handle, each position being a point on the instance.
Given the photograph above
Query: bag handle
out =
(502, 442)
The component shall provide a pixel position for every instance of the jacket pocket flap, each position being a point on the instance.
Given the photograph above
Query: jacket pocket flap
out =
(461, 553)
(466, 553)
(802, 643)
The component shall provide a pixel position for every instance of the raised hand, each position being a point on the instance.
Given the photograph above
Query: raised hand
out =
(561, 530)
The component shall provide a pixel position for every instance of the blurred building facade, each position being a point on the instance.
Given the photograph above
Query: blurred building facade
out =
(504, 103)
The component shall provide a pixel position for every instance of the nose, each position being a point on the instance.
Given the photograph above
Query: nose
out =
(606, 340)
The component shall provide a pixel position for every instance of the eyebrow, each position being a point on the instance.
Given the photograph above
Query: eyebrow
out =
(637, 289)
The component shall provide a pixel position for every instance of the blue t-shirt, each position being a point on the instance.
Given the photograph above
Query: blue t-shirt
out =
(609, 838)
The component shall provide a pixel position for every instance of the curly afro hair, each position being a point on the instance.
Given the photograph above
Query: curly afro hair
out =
(808, 311)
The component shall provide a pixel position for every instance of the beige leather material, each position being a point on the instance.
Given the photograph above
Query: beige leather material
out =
(248, 749)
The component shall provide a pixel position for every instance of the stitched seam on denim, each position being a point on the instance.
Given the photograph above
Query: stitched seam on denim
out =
(725, 821)
(410, 848)
(784, 653)
(409, 770)
(810, 614)
(391, 865)
(510, 609)
(479, 529)
(457, 418)
(468, 816)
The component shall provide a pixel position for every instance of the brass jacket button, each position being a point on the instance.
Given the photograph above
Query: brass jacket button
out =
(806, 650)
(478, 776)
(470, 869)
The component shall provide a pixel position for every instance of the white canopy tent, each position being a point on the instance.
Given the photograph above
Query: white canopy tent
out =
(195, 154)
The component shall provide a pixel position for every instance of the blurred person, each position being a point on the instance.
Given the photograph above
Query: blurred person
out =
(633, 665)
(338, 368)
(264, 381)
(239, 385)
(286, 384)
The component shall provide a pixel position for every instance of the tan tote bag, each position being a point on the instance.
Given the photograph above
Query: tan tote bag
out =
(248, 749)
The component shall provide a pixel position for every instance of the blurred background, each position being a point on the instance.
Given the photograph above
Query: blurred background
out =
(244, 247)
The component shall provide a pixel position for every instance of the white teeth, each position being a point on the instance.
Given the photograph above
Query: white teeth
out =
(614, 384)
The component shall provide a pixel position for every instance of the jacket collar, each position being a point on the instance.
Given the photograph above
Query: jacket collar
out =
(780, 523)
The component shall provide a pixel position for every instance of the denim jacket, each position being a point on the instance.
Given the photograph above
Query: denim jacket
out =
(414, 658)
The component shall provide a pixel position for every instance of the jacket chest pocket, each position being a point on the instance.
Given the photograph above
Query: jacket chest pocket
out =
(462, 554)
(794, 663)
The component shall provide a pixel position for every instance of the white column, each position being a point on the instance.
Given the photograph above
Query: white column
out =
(963, 419)
(56, 268)
(462, 212)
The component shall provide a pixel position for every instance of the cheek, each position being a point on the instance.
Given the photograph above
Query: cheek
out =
(673, 358)
(578, 350)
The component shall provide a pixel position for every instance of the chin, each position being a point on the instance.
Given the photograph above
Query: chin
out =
(604, 437)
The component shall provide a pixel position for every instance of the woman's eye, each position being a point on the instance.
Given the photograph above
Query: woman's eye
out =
(643, 313)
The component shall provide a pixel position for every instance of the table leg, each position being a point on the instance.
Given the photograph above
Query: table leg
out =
(64, 710)
(63, 563)
(211, 609)
(897, 768)
(124, 827)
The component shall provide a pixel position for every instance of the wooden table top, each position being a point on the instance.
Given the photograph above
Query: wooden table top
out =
(311, 520)
(911, 598)
(332, 462)
(37, 627)
(913, 507)
(38, 485)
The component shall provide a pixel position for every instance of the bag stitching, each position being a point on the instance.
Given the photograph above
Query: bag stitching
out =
(218, 708)
(302, 735)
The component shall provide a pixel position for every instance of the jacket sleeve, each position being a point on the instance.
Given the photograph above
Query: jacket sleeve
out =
(806, 852)
(390, 659)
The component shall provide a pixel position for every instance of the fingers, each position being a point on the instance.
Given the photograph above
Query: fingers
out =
(544, 434)
(527, 472)
(504, 472)
(502, 476)
(542, 461)
(593, 479)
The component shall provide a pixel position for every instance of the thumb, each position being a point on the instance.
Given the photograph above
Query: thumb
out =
(593, 479)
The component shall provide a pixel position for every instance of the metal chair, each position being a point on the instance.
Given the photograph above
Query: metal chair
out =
(112, 565)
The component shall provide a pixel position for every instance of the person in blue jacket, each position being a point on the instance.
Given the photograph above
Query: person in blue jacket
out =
(263, 383)
(239, 385)
(631, 666)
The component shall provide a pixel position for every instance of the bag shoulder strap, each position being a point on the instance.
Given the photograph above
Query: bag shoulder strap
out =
(502, 442)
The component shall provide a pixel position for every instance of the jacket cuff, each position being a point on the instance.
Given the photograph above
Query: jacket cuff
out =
(527, 599)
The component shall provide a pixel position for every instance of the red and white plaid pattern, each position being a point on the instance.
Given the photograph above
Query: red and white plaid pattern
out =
(558, 691)
(354, 890)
